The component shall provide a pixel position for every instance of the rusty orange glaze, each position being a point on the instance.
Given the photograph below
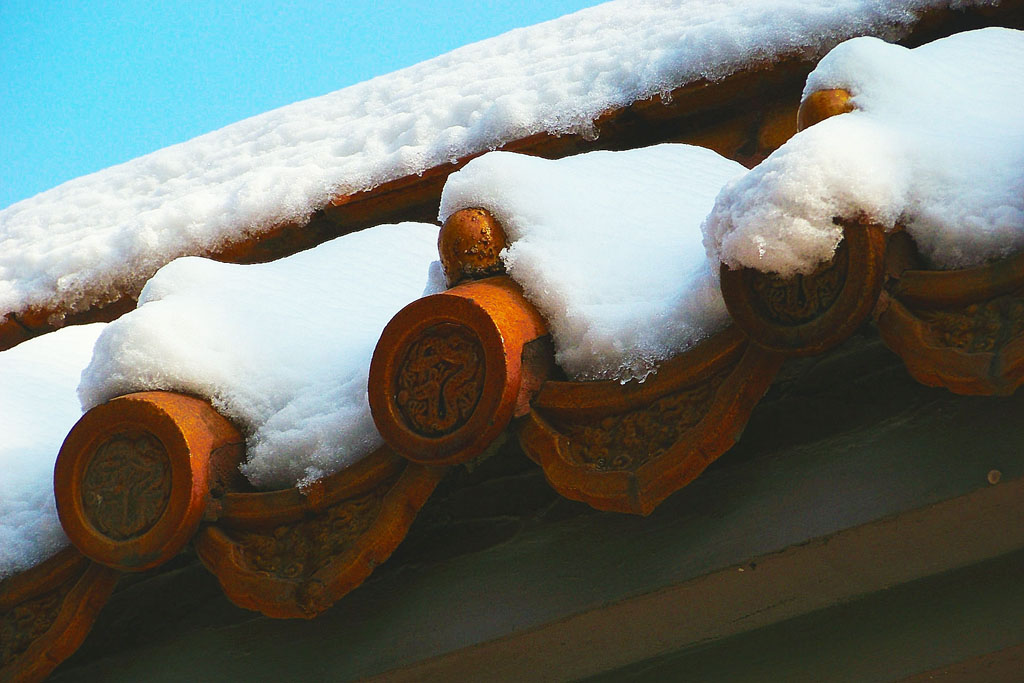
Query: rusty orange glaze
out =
(823, 104)
(962, 287)
(262, 508)
(470, 244)
(627, 453)
(300, 568)
(958, 329)
(135, 474)
(808, 314)
(53, 605)
(596, 399)
(448, 371)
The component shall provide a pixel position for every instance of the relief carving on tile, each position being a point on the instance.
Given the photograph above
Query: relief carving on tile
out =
(440, 380)
(127, 485)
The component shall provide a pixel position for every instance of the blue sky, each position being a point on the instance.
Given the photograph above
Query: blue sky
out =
(85, 84)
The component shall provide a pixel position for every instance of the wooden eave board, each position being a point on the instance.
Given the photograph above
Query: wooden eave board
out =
(962, 626)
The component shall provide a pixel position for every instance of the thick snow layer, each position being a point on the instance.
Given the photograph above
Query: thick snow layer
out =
(93, 238)
(283, 348)
(608, 246)
(936, 143)
(38, 407)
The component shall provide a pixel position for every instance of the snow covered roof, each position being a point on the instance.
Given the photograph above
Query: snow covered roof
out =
(97, 239)
(38, 406)
(281, 348)
(935, 143)
(608, 246)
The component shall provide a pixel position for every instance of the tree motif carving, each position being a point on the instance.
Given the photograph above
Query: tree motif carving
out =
(126, 486)
(983, 327)
(298, 550)
(24, 623)
(800, 299)
(628, 440)
(440, 380)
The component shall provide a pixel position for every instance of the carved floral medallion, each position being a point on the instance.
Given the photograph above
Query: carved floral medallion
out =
(126, 486)
(800, 299)
(440, 380)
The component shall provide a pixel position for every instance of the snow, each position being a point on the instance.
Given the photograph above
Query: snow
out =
(38, 407)
(92, 239)
(936, 144)
(608, 246)
(282, 348)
